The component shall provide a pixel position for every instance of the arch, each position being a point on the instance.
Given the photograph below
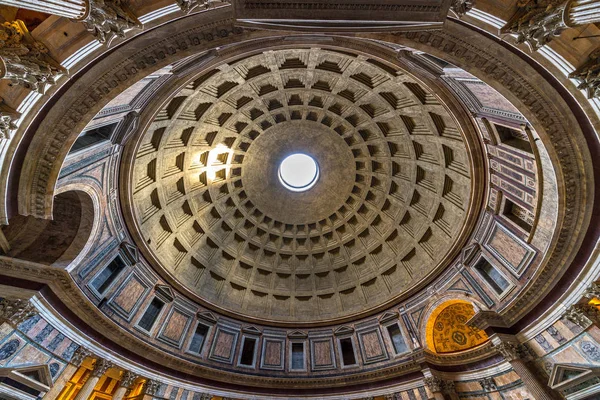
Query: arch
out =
(446, 329)
(54, 242)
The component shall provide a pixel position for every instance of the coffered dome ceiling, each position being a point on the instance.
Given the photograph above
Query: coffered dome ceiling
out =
(387, 210)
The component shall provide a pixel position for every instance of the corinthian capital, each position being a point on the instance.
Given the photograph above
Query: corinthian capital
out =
(7, 118)
(583, 315)
(108, 19)
(594, 289)
(15, 311)
(588, 76)
(25, 61)
(101, 366)
(151, 387)
(461, 7)
(536, 22)
(80, 354)
(433, 383)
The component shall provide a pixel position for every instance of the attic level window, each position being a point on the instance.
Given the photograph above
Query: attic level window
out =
(247, 356)
(298, 172)
(347, 348)
(491, 275)
(108, 275)
(91, 137)
(297, 356)
(397, 339)
(198, 338)
(518, 215)
(151, 314)
(514, 138)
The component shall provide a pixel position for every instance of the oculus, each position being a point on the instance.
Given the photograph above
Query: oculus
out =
(298, 172)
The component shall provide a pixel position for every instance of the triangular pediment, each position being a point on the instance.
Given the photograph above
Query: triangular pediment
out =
(37, 377)
(388, 316)
(252, 330)
(131, 252)
(297, 335)
(460, 286)
(207, 316)
(39, 373)
(468, 253)
(565, 375)
(344, 330)
(165, 292)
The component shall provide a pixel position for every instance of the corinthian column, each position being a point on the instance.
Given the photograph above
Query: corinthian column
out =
(517, 356)
(124, 385)
(100, 368)
(74, 9)
(536, 22)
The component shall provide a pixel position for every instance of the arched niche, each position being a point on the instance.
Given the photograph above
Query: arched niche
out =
(447, 330)
(54, 242)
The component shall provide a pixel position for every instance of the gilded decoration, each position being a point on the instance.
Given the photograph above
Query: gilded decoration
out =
(447, 329)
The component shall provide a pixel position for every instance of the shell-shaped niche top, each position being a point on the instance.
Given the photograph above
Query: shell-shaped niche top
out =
(390, 201)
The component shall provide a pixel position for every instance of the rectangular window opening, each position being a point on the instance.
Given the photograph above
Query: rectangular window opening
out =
(514, 138)
(91, 137)
(397, 339)
(198, 339)
(347, 347)
(297, 355)
(517, 214)
(108, 275)
(491, 275)
(151, 314)
(247, 357)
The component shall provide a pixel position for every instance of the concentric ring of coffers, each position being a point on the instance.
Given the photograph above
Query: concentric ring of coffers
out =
(394, 173)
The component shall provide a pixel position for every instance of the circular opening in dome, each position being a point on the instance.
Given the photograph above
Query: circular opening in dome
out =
(298, 172)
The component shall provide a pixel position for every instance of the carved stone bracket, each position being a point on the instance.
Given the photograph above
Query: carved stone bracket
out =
(25, 61)
(188, 6)
(109, 19)
(16, 311)
(583, 315)
(7, 117)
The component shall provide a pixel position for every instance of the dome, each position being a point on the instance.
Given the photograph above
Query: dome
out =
(242, 199)
(388, 210)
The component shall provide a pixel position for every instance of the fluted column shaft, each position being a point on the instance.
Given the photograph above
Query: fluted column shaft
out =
(517, 355)
(75, 9)
(582, 12)
(100, 368)
(538, 390)
(124, 385)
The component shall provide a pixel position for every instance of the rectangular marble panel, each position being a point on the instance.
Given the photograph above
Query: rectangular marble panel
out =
(322, 354)
(174, 328)
(128, 297)
(223, 346)
(371, 345)
(273, 354)
(511, 251)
